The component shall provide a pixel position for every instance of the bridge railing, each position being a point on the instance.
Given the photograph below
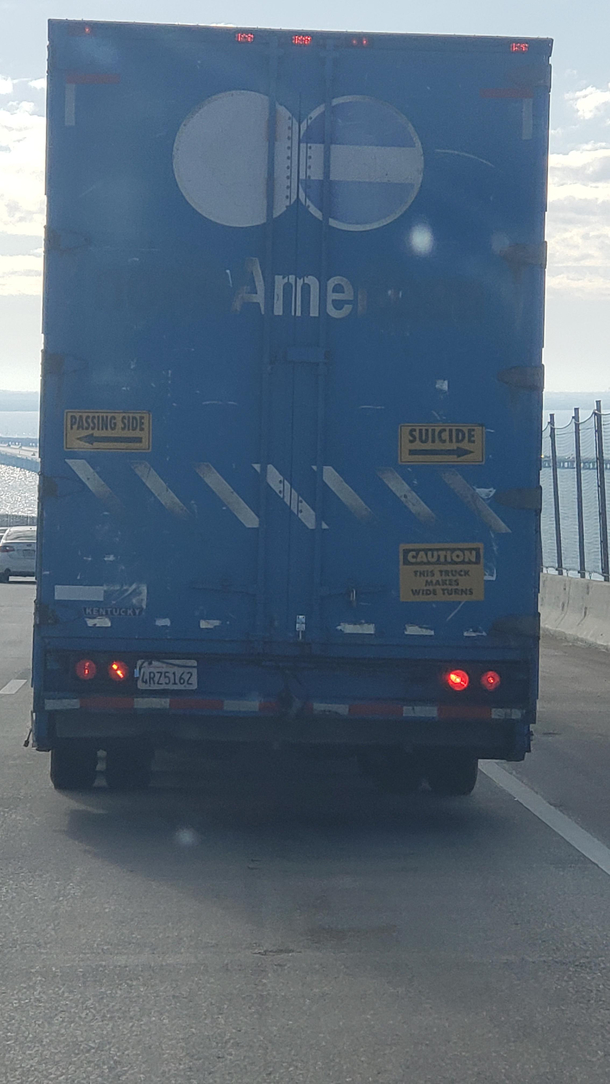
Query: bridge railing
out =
(575, 463)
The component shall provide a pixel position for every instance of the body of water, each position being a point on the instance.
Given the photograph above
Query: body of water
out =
(19, 423)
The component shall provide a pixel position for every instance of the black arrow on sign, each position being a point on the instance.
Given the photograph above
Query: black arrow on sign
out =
(457, 453)
(92, 439)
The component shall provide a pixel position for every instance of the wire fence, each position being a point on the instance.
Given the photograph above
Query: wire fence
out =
(575, 459)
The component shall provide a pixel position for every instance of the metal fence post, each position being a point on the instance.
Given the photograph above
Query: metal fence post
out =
(582, 571)
(601, 490)
(556, 495)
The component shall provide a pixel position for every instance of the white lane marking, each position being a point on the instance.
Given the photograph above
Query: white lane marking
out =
(280, 485)
(577, 837)
(346, 494)
(96, 484)
(474, 501)
(12, 687)
(228, 496)
(160, 489)
(405, 494)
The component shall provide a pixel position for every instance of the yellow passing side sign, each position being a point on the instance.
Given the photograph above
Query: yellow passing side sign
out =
(441, 443)
(107, 430)
(442, 573)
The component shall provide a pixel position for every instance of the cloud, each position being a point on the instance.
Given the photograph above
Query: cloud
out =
(6, 85)
(21, 275)
(578, 223)
(590, 102)
(22, 143)
(37, 84)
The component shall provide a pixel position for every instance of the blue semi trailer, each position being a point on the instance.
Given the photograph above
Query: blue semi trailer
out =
(291, 397)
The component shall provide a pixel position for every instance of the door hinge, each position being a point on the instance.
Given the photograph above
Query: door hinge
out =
(528, 377)
(528, 499)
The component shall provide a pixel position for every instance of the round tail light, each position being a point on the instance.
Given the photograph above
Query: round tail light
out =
(457, 680)
(85, 669)
(490, 680)
(118, 671)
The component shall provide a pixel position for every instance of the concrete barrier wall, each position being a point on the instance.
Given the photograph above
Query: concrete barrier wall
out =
(575, 608)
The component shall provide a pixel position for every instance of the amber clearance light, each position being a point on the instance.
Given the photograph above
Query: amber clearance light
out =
(118, 671)
(457, 680)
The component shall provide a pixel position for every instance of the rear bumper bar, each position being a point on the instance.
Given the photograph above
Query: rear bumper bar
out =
(213, 708)
(502, 736)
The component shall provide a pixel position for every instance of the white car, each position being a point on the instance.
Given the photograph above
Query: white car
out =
(18, 553)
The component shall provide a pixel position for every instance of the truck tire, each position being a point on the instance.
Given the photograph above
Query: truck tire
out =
(128, 766)
(73, 765)
(4, 576)
(452, 774)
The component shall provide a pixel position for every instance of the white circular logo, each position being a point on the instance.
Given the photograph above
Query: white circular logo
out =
(376, 163)
(221, 156)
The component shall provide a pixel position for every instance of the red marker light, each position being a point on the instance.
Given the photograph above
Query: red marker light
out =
(457, 680)
(118, 671)
(519, 47)
(360, 41)
(85, 669)
(490, 680)
(302, 39)
(243, 36)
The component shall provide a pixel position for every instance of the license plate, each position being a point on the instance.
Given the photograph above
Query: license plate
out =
(167, 674)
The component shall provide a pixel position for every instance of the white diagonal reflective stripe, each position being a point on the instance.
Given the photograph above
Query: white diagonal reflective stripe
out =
(228, 496)
(280, 485)
(390, 165)
(474, 501)
(161, 491)
(405, 494)
(96, 484)
(346, 494)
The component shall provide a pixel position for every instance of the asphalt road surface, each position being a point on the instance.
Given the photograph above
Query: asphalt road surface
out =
(273, 922)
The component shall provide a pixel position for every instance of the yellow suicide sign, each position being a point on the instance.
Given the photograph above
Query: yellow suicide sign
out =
(441, 443)
(107, 430)
(442, 573)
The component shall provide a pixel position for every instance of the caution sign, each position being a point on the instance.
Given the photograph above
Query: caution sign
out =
(107, 430)
(442, 573)
(441, 443)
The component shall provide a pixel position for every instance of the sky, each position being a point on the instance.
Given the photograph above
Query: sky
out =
(577, 350)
